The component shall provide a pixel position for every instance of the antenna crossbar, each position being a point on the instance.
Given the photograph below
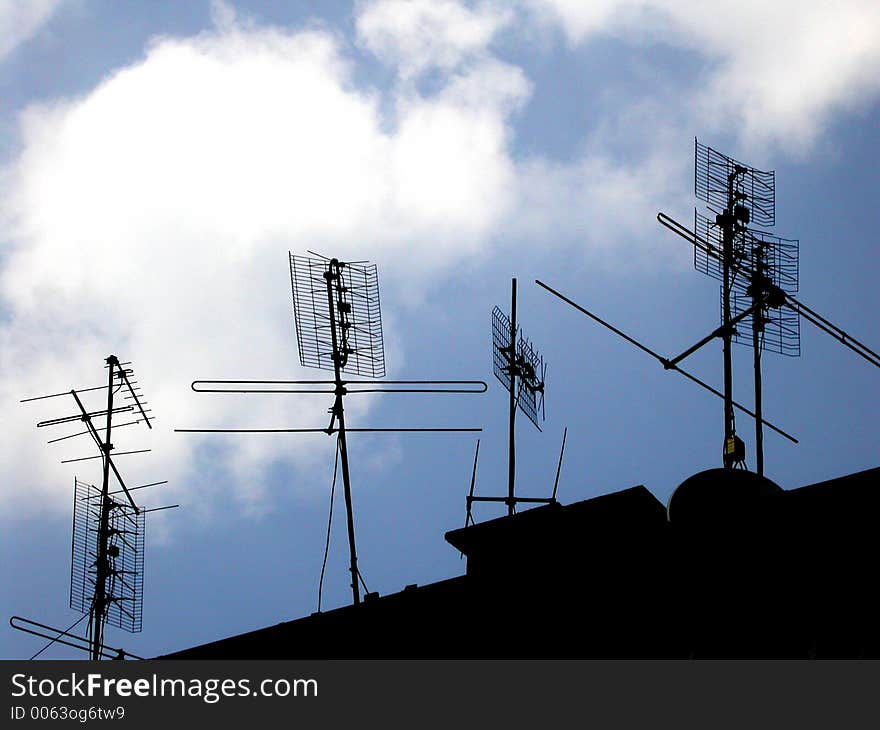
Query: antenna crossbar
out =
(328, 431)
(82, 416)
(662, 360)
(268, 386)
(82, 643)
(506, 500)
(100, 456)
(790, 302)
(717, 332)
(87, 432)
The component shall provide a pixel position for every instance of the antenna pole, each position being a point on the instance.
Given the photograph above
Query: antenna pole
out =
(106, 577)
(559, 464)
(757, 331)
(340, 355)
(102, 566)
(468, 517)
(726, 219)
(511, 468)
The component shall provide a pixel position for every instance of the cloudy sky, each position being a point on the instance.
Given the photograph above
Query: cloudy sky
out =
(159, 159)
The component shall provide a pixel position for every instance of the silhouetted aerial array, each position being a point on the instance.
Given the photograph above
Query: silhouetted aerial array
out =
(732, 566)
(107, 551)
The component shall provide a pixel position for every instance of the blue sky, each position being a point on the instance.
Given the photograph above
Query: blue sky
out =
(159, 159)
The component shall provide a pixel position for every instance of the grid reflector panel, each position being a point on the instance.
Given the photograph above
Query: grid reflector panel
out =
(358, 317)
(530, 388)
(124, 588)
(756, 189)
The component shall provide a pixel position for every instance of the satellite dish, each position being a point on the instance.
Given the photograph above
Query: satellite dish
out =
(719, 497)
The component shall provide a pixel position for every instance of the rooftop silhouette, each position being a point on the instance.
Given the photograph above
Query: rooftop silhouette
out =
(733, 567)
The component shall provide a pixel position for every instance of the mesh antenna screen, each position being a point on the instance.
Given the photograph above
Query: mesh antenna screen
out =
(781, 327)
(711, 264)
(753, 188)
(125, 554)
(777, 258)
(358, 320)
(528, 362)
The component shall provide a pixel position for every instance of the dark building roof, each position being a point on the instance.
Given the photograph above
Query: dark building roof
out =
(733, 567)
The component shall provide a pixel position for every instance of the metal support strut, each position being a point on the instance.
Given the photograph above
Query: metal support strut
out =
(514, 371)
(734, 449)
(340, 356)
(100, 604)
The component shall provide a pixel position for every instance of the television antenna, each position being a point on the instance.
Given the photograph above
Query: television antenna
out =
(758, 273)
(745, 195)
(522, 371)
(469, 517)
(844, 337)
(773, 262)
(754, 268)
(338, 321)
(107, 544)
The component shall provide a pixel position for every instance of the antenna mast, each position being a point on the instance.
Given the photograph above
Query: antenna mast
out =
(338, 327)
(747, 195)
(513, 372)
(338, 306)
(107, 545)
(759, 273)
(521, 370)
(743, 193)
(98, 612)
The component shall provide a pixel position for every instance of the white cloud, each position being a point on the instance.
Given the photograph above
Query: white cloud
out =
(151, 218)
(20, 20)
(418, 35)
(776, 71)
(605, 206)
